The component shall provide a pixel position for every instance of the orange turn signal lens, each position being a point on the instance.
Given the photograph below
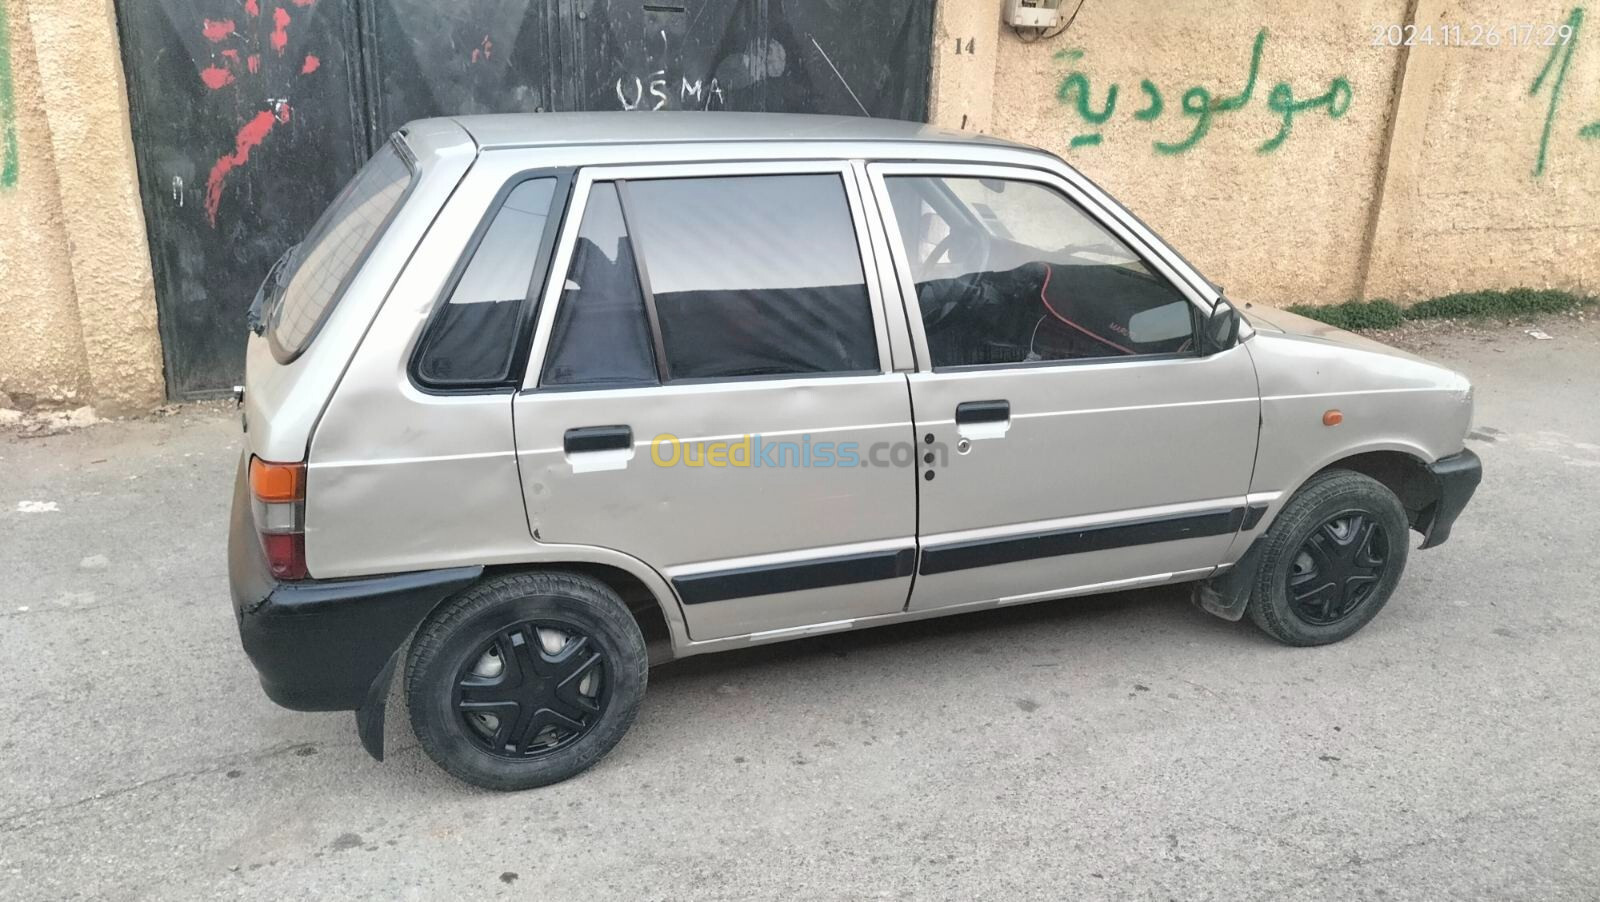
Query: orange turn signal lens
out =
(1332, 418)
(277, 482)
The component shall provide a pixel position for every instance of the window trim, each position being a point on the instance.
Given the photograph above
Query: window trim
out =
(642, 271)
(1158, 264)
(528, 308)
(281, 354)
(561, 261)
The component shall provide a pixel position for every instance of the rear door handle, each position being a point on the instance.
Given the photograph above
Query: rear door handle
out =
(983, 412)
(597, 438)
(977, 420)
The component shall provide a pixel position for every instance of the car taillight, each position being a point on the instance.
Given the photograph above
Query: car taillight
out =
(278, 494)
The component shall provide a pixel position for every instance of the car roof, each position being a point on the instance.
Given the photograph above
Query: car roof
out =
(683, 126)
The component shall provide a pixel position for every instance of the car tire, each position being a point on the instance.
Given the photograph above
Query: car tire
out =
(525, 679)
(1330, 560)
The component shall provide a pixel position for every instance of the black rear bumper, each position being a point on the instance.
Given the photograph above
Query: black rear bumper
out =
(1455, 478)
(319, 645)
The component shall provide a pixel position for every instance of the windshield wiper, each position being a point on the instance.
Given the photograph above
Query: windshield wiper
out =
(269, 290)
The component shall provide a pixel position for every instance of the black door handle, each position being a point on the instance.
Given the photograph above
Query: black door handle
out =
(983, 411)
(597, 438)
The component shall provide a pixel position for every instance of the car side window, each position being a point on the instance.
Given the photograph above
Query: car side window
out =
(1011, 271)
(754, 275)
(601, 336)
(472, 337)
(743, 276)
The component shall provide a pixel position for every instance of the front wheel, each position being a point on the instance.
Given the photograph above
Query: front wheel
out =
(1330, 560)
(525, 680)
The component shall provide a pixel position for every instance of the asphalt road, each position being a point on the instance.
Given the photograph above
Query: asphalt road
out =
(1125, 746)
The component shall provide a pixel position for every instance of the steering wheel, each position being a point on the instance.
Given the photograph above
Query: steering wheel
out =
(963, 241)
(969, 250)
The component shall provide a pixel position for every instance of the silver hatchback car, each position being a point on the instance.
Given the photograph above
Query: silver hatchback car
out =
(542, 399)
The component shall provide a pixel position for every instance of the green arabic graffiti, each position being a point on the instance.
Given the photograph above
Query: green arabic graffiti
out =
(1152, 111)
(1198, 104)
(1563, 52)
(8, 110)
(1336, 99)
(1078, 84)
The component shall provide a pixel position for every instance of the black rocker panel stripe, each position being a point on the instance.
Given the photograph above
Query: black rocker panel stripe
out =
(770, 579)
(1030, 546)
(1253, 515)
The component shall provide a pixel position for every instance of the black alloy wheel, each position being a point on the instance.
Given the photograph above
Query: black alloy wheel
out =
(535, 687)
(526, 679)
(1337, 568)
(1330, 559)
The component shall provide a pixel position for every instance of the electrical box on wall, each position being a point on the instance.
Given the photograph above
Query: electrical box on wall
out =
(1033, 13)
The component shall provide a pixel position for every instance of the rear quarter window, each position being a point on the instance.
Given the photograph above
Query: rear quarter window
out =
(321, 268)
(472, 338)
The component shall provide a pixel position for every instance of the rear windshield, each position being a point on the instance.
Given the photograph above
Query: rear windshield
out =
(334, 248)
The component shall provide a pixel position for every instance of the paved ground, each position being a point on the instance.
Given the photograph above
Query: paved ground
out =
(1125, 746)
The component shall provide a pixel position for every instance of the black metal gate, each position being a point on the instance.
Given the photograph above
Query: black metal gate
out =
(248, 115)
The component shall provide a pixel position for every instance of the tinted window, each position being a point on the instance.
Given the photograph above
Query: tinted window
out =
(1012, 271)
(754, 276)
(338, 241)
(601, 336)
(471, 338)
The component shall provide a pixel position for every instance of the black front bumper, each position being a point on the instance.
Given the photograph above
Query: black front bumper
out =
(1455, 478)
(319, 645)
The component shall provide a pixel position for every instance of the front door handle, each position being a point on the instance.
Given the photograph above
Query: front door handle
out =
(976, 420)
(597, 438)
(983, 412)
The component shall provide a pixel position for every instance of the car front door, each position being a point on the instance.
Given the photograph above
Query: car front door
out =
(708, 380)
(1078, 439)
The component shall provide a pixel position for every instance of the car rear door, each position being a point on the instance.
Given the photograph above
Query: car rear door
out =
(1079, 441)
(706, 382)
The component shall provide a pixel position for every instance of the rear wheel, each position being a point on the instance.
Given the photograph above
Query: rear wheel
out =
(1330, 560)
(525, 680)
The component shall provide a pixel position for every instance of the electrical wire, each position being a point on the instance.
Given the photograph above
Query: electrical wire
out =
(1032, 354)
(1040, 34)
(1048, 272)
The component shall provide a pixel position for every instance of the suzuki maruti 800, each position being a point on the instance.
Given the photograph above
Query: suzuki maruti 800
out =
(541, 398)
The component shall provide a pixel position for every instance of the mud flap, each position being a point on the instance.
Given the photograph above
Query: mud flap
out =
(1228, 594)
(369, 717)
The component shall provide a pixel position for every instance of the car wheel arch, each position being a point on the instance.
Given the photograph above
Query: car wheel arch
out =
(649, 597)
(1402, 472)
(1398, 466)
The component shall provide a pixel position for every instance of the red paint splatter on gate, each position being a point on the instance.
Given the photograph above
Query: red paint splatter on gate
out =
(220, 73)
(216, 77)
(249, 138)
(280, 31)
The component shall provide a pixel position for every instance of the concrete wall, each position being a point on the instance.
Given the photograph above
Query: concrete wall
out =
(1476, 195)
(77, 304)
(1341, 170)
(1401, 173)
